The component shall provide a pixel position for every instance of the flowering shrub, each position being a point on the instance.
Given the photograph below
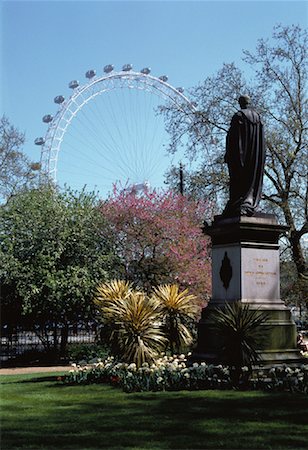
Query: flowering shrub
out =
(159, 239)
(173, 373)
(282, 378)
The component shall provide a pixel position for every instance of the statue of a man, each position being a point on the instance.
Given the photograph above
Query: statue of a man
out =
(245, 156)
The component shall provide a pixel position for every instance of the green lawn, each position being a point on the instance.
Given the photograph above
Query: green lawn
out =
(39, 413)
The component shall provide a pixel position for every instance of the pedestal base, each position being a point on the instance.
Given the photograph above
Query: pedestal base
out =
(277, 346)
(245, 268)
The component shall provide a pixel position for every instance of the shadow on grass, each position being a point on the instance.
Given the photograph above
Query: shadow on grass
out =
(99, 416)
(32, 379)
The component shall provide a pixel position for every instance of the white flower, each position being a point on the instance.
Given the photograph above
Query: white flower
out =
(186, 375)
(195, 364)
(132, 366)
(159, 379)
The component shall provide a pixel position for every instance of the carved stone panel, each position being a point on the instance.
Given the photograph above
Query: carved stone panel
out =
(226, 273)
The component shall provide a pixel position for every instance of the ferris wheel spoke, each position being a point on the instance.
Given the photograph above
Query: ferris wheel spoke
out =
(88, 145)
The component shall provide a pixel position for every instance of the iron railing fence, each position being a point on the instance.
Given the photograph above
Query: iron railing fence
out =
(16, 341)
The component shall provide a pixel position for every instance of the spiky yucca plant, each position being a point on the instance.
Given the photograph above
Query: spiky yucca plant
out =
(138, 333)
(107, 297)
(179, 310)
(131, 322)
(242, 330)
(113, 290)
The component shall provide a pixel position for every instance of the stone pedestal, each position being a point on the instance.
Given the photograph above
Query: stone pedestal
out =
(245, 267)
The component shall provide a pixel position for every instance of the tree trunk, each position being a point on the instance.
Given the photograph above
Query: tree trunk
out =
(64, 340)
(298, 256)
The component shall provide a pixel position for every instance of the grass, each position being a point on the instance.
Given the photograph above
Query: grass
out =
(40, 413)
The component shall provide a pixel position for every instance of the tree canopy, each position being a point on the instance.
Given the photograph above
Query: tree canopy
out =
(52, 256)
(278, 90)
(159, 239)
(16, 171)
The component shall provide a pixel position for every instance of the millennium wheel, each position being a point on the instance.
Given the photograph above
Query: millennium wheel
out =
(109, 131)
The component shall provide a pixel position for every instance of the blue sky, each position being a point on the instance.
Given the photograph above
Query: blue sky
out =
(44, 45)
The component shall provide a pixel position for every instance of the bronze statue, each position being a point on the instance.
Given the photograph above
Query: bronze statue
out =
(245, 156)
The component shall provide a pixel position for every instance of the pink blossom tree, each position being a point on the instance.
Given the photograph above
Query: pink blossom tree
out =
(159, 239)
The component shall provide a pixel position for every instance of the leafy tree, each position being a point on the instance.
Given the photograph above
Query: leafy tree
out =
(159, 239)
(52, 255)
(279, 92)
(16, 171)
(292, 290)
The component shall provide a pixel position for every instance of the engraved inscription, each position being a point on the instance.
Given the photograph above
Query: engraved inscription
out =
(260, 275)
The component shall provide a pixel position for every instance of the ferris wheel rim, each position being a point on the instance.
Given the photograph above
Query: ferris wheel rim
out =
(54, 135)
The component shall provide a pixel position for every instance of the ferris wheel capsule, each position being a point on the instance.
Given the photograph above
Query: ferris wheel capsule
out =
(59, 99)
(35, 166)
(109, 68)
(145, 71)
(39, 141)
(90, 73)
(163, 78)
(73, 84)
(127, 67)
(48, 118)
(180, 89)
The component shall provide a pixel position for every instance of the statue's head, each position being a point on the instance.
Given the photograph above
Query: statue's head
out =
(244, 101)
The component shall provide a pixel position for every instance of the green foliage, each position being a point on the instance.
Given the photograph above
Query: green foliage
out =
(52, 256)
(86, 352)
(241, 329)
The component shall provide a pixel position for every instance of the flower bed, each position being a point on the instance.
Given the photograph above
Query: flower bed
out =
(173, 373)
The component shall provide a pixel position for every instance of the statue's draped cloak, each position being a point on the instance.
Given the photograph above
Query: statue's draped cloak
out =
(245, 156)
